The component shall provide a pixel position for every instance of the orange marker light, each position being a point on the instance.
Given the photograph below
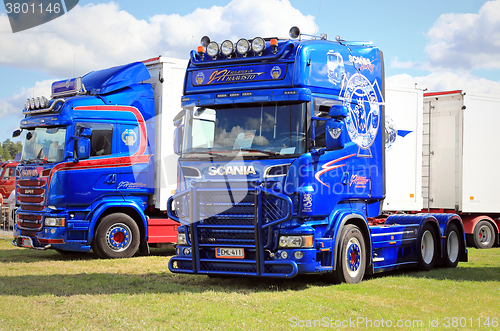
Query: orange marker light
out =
(274, 42)
(201, 49)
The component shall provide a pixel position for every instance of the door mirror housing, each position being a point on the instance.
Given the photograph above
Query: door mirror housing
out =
(83, 148)
(86, 132)
(16, 133)
(338, 112)
(334, 135)
(178, 133)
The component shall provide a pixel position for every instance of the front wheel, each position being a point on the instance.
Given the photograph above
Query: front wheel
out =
(117, 236)
(484, 235)
(351, 263)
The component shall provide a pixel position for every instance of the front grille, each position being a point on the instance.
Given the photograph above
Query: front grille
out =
(29, 222)
(31, 198)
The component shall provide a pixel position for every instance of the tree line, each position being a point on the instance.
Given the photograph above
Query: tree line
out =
(9, 149)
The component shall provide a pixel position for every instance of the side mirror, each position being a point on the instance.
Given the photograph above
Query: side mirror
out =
(179, 117)
(334, 138)
(16, 133)
(178, 133)
(83, 148)
(338, 111)
(86, 132)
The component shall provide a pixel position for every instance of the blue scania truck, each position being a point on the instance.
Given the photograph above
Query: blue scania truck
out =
(282, 166)
(95, 166)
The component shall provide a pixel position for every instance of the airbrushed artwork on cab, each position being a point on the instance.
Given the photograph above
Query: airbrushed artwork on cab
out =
(361, 97)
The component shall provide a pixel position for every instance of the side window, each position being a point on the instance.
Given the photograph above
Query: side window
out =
(101, 140)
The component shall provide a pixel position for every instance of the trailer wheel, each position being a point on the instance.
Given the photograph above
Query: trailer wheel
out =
(351, 263)
(452, 247)
(117, 236)
(427, 248)
(484, 235)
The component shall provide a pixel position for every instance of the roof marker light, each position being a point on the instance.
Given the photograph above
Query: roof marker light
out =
(258, 45)
(227, 48)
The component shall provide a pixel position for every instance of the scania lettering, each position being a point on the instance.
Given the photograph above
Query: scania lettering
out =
(95, 164)
(282, 166)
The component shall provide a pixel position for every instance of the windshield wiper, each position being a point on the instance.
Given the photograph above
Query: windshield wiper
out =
(31, 161)
(204, 152)
(260, 151)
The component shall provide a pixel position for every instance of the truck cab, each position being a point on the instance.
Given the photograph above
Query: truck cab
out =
(87, 176)
(282, 163)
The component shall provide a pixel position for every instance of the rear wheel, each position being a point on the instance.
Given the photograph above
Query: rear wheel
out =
(452, 247)
(351, 262)
(117, 236)
(427, 248)
(484, 235)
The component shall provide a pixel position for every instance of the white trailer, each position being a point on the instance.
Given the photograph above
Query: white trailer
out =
(448, 160)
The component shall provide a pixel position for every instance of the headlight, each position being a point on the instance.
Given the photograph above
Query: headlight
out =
(213, 49)
(55, 221)
(258, 45)
(242, 46)
(181, 239)
(297, 241)
(227, 47)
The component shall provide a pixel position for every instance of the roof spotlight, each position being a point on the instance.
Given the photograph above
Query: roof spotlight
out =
(213, 49)
(205, 41)
(242, 46)
(32, 103)
(227, 48)
(37, 102)
(294, 32)
(258, 45)
(44, 103)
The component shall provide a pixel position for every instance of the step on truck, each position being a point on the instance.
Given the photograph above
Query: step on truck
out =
(95, 171)
(442, 158)
(282, 166)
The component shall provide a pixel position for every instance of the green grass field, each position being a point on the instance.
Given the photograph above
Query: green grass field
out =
(43, 290)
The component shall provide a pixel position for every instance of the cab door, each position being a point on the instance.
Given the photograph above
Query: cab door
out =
(95, 177)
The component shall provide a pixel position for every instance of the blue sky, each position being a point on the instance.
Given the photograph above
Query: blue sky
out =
(440, 45)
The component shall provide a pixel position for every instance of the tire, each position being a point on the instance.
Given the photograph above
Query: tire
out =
(117, 236)
(351, 262)
(426, 250)
(484, 235)
(451, 247)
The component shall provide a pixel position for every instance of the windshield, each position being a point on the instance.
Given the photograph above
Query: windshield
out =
(255, 130)
(44, 145)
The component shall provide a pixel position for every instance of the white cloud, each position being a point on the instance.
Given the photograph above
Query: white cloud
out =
(447, 81)
(466, 41)
(102, 35)
(11, 107)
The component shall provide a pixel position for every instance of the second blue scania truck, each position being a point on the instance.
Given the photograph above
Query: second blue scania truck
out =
(96, 167)
(282, 166)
